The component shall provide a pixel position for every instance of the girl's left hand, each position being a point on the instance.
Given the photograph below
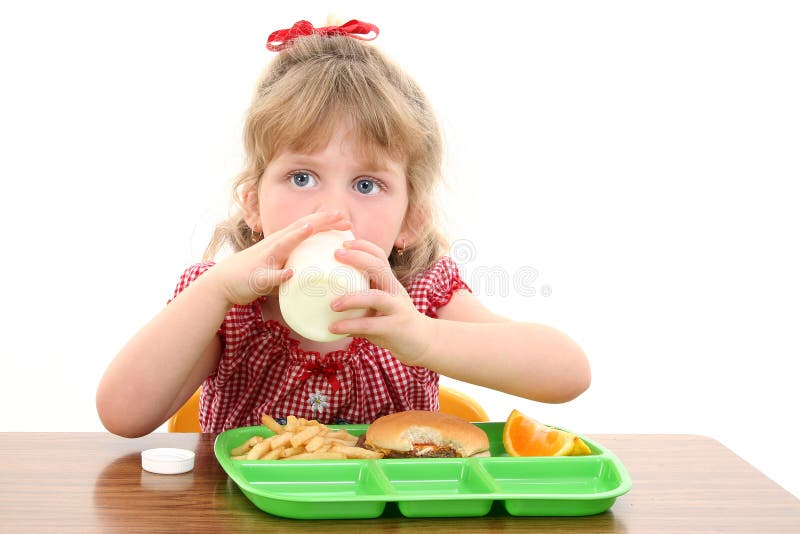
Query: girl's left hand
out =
(394, 323)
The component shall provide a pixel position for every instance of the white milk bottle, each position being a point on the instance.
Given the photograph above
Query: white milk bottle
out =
(319, 279)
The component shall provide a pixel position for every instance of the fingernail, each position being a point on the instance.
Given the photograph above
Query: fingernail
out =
(340, 252)
(347, 244)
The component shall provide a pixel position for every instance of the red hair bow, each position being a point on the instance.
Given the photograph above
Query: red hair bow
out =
(280, 39)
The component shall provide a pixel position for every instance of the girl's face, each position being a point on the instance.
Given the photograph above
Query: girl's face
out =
(335, 178)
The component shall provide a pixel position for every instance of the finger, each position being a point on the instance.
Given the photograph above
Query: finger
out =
(264, 279)
(275, 251)
(319, 221)
(361, 327)
(325, 220)
(343, 224)
(376, 269)
(279, 245)
(286, 239)
(366, 246)
(374, 299)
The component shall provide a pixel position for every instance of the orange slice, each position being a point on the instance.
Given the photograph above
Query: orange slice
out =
(523, 436)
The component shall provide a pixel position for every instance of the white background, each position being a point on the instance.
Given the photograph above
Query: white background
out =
(639, 156)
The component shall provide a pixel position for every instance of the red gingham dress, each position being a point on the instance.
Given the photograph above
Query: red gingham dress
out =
(262, 369)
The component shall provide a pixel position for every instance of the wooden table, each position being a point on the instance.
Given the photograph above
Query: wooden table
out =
(93, 482)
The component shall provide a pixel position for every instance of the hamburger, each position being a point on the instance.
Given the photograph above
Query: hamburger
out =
(424, 434)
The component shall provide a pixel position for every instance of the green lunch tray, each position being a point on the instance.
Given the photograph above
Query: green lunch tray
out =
(426, 487)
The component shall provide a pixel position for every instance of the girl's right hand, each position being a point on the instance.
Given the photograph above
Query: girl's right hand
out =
(258, 270)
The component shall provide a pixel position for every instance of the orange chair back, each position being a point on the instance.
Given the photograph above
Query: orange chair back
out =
(187, 418)
(461, 405)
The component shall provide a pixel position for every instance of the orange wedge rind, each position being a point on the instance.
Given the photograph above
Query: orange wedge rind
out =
(523, 436)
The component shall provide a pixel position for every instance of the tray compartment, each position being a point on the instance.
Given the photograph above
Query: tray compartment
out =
(439, 487)
(324, 489)
(565, 486)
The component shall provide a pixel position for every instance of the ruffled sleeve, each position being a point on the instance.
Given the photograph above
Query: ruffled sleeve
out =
(238, 321)
(190, 275)
(434, 288)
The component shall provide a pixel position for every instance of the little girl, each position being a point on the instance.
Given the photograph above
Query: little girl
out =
(336, 137)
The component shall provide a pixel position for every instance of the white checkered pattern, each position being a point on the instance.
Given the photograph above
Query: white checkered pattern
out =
(262, 370)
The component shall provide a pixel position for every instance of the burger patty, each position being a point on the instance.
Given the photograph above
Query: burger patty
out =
(431, 452)
(423, 451)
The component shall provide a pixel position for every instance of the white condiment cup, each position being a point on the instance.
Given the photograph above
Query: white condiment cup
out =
(167, 461)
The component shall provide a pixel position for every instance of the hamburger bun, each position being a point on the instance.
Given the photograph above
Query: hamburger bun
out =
(423, 433)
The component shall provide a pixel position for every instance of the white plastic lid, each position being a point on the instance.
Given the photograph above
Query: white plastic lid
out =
(167, 461)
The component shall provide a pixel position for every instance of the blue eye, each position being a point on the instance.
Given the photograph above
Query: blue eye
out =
(368, 187)
(303, 179)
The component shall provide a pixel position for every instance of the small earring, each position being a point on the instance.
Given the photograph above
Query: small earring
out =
(256, 236)
(402, 249)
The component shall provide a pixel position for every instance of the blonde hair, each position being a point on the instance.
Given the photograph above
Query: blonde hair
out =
(298, 100)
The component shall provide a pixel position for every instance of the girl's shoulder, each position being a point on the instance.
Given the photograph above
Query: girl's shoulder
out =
(442, 271)
(190, 274)
(432, 288)
(241, 321)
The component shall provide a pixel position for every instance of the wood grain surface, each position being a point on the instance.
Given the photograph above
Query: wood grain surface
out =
(93, 482)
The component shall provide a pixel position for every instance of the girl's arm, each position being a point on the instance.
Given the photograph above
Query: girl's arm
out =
(168, 359)
(534, 361)
(467, 342)
(164, 363)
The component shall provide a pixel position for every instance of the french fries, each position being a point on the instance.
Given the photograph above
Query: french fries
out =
(301, 439)
(247, 446)
(355, 452)
(272, 424)
(305, 435)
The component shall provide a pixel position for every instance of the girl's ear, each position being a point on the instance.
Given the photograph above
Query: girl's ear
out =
(250, 205)
(416, 219)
